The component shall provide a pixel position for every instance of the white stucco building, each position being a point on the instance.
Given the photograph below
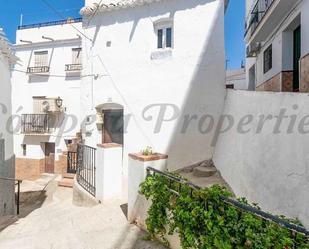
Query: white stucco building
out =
(7, 159)
(277, 38)
(46, 95)
(236, 79)
(156, 63)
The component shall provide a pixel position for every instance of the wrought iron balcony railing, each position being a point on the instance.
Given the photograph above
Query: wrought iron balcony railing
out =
(73, 67)
(38, 70)
(258, 12)
(36, 124)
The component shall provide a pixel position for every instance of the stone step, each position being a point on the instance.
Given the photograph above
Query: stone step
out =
(202, 171)
(66, 182)
(68, 176)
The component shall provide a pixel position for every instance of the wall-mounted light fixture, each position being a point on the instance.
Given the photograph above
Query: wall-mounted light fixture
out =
(59, 102)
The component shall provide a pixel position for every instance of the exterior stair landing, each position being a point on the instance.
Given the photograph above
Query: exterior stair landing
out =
(67, 181)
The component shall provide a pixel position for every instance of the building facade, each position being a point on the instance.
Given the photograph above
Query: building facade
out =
(156, 64)
(277, 34)
(7, 158)
(236, 79)
(46, 96)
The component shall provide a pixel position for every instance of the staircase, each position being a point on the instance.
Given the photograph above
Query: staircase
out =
(204, 174)
(68, 178)
(67, 181)
(205, 169)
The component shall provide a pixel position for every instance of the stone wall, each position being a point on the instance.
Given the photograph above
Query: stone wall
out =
(287, 81)
(61, 165)
(282, 82)
(304, 74)
(31, 169)
(273, 85)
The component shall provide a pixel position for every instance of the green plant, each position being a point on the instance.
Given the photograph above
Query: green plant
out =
(204, 221)
(147, 152)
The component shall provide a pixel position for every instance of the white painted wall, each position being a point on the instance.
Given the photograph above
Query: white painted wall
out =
(137, 174)
(108, 173)
(7, 169)
(268, 168)
(305, 27)
(237, 77)
(5, 110)
(58, 83)
(192, 78)
(56, 32)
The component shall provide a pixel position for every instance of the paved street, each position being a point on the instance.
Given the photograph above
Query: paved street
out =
(58, 224)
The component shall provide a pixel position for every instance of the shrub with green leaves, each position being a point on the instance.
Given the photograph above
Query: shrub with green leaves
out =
(204, 221)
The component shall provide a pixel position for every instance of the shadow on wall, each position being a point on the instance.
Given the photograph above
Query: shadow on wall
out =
(160, 8)
(205, 97)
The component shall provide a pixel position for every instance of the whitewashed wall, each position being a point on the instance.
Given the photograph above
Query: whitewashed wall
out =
(7, 169)
(267, 167)
(57, 84)
(305, 27)
(192, 78)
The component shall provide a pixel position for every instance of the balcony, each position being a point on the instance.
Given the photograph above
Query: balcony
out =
(37, 124)
(73, 67)
(258, 12)
(265, 16)
(38, 70)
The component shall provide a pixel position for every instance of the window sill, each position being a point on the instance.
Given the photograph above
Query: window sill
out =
(161, 54)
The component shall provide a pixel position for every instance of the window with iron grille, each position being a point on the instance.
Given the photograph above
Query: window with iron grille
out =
(41, 58)
(268, 59)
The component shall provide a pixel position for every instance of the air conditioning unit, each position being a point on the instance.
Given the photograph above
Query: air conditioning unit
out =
(253, 49)
(48, 105)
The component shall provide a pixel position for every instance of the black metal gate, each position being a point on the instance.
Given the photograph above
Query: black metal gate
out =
(86, 160)
(72, 162)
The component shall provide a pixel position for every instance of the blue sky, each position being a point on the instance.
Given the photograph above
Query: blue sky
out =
(35, 11)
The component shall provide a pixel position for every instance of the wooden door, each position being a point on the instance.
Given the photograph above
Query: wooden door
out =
(113, 126)
(49, 158)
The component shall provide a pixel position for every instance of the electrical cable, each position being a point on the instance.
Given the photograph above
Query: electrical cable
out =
(63, 17)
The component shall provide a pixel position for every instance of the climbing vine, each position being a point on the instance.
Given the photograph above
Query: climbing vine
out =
(204, 221)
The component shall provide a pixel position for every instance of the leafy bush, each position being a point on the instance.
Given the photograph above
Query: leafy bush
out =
(204, 221)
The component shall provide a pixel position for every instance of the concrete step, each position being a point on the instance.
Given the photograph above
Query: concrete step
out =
(66, 182)
(68, 176)
(203, 171)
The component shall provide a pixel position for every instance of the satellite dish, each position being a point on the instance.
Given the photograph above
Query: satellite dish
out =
(46, 106)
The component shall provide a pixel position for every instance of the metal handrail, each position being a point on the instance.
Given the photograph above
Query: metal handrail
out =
(17, 197)
(236, 203)
(86, 168)
(36, 123)
(53, 23)
(257, 15)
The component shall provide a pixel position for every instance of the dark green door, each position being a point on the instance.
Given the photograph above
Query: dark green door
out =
(296, 58)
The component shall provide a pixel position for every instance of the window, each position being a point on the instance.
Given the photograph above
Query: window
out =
(165, 37)
(268, 59)
(41, 58)
(24, 148)
(160, 38)
(77, 56)
(164, 33)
